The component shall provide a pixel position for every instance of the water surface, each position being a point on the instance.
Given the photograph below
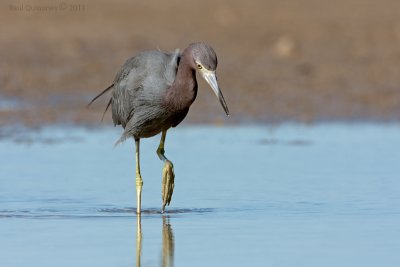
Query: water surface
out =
(326, 195)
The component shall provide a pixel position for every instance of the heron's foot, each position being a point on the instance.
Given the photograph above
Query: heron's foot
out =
(167, 189)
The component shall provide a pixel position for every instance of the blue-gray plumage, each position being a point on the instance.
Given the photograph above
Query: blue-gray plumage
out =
(153, 92)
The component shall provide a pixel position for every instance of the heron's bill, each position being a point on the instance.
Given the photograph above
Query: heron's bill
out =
(211, 79)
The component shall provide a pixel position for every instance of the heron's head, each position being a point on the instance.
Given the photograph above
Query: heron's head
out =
(205, 62)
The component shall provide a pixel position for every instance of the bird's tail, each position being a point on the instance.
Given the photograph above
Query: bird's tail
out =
(102, 93)
(122, 139)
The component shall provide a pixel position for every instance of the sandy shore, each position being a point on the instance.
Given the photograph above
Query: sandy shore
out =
(278, 60)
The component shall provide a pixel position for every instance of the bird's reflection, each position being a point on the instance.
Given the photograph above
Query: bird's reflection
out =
(138, 240)
(168, 242)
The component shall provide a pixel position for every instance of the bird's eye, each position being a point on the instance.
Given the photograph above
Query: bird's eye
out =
(199, 66)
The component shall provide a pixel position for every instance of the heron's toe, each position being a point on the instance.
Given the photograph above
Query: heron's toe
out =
(167, 189)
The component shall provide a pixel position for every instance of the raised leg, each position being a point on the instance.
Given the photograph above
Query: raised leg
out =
(168, 175)
(139, 180)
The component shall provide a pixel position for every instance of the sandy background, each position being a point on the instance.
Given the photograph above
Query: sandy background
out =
(306, 60)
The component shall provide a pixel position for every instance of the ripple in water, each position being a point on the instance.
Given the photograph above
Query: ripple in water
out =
(93, 213)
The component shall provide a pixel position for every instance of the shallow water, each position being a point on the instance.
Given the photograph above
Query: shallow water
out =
(10, 103)
(292, 195)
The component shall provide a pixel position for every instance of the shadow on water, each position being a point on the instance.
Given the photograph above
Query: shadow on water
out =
(168, 242)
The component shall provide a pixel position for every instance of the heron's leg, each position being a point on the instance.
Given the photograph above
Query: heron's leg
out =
(167, 187)
(139, 180)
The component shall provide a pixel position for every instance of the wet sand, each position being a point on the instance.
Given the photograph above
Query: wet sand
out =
(278, 60)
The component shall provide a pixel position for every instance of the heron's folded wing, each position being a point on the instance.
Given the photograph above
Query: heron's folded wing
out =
(171, 67)
(128, 80)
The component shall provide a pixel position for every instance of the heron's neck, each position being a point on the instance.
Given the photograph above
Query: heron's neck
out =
(183, 91)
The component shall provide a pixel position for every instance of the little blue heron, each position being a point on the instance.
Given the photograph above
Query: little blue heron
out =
(152, 92)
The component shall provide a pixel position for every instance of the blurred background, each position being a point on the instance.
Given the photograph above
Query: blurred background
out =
(288, 60)
(278, 187)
